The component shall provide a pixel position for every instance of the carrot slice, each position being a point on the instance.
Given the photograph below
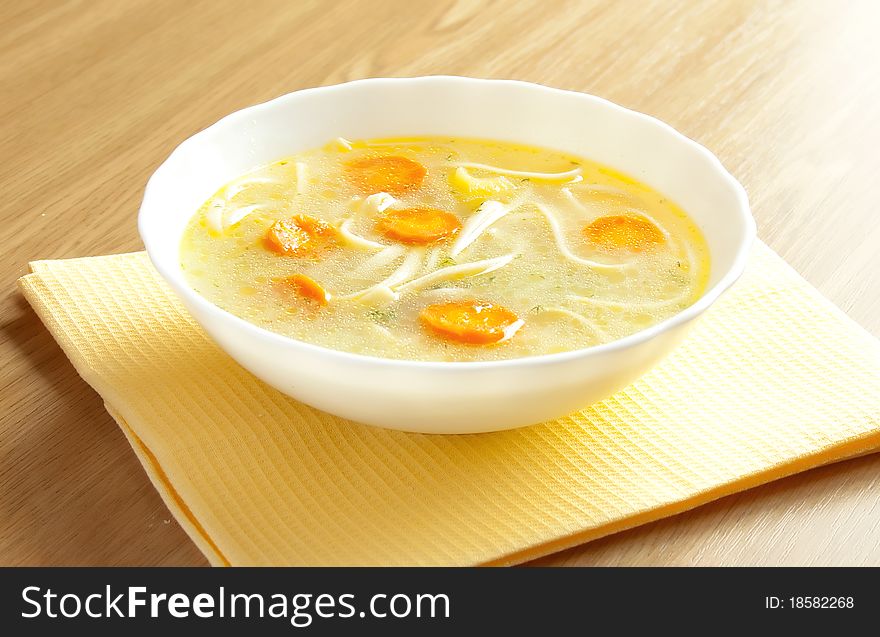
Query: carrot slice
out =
(418, 226)
(386, 173)
(300, 235)
(624, 232)
(304, 286)
(471, 322)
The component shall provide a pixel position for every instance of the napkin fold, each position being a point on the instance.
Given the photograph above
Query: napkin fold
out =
(772, 380)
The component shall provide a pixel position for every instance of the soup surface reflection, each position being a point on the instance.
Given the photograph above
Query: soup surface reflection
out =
(444, 249)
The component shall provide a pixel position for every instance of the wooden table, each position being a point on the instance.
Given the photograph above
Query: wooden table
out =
(96, 94)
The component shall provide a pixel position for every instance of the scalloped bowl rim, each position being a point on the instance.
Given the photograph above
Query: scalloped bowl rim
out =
(175, 278)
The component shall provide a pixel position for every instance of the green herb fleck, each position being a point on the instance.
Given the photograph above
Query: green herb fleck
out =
(382, 316)
(537, 309)
(525, 180)
(449, 157)
(445, 262)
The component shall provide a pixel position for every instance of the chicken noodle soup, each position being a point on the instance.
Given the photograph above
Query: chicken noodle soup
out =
(444, 249)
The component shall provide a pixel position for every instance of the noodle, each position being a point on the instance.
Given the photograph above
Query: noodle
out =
(568, 175)
(457, 272)
(568, 254)
(486, 215)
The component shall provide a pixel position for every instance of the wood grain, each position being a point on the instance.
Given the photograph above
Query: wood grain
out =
(96, 94)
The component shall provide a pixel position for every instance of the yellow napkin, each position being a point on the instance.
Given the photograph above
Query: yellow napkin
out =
(773, 380)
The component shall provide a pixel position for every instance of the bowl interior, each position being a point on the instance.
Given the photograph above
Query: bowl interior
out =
(506, 110)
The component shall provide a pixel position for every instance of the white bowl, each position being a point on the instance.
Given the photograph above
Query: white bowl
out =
(439, 397)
